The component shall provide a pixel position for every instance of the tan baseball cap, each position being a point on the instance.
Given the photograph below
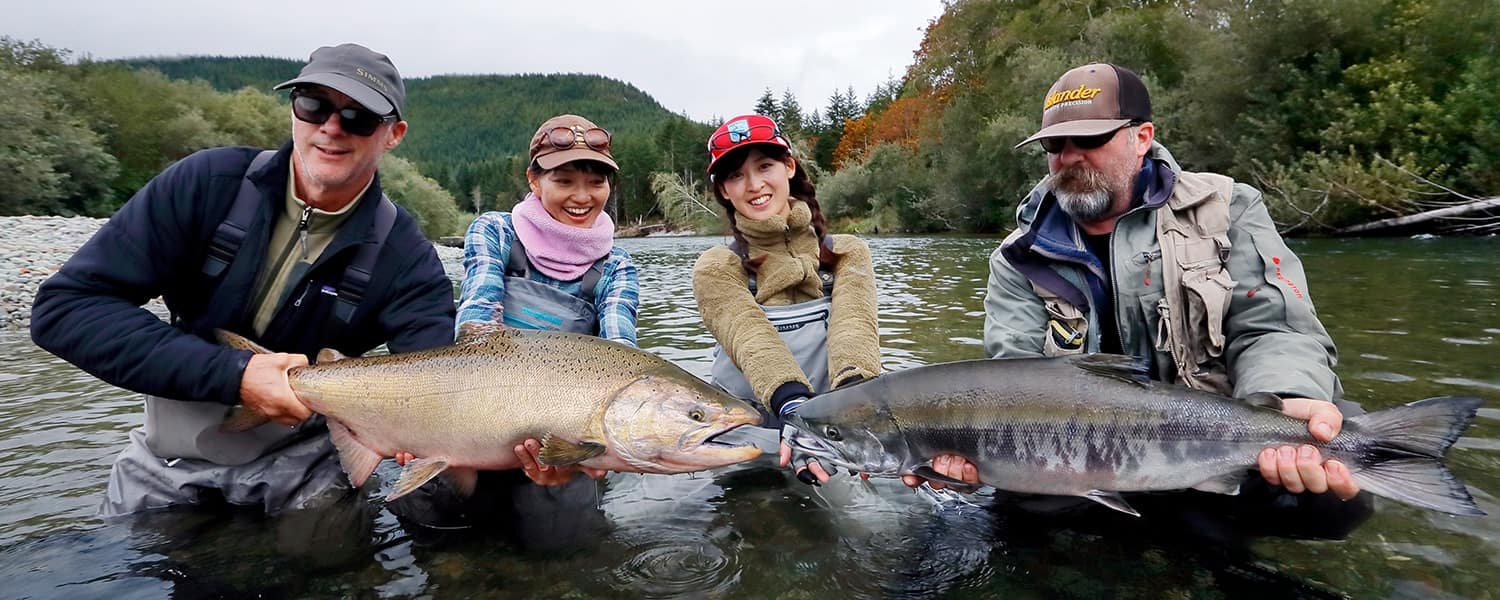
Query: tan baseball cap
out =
(1092, 100)
(551, 150)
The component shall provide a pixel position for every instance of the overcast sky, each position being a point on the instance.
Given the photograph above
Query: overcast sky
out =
(703, 57)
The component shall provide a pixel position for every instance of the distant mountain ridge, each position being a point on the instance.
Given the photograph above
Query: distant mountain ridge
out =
(468, 118)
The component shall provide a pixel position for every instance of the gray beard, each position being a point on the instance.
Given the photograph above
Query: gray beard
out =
(1084, 207)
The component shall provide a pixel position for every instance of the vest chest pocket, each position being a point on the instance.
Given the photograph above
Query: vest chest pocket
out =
(1206, 290)
(1067, 329)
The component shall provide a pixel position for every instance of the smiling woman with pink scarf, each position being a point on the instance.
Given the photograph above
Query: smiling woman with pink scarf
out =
(551, 262)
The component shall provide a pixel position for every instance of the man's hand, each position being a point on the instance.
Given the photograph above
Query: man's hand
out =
(1301, 469)
(529, 452)
(264, 388)
(950, 465)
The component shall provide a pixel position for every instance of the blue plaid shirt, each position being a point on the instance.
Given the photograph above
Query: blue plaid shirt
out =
(487, 251)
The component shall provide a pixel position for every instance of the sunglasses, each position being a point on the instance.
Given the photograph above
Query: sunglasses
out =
(731, 138)
(563, 138)
(1081, 142)
(353, 119)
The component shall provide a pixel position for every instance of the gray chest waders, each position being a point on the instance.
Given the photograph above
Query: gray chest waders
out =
(536, 305)
(804, 328)
(181, 450)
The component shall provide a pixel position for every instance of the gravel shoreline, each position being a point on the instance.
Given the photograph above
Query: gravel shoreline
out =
(33, 248)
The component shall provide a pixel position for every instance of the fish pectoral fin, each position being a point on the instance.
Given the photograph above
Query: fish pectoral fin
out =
(1228, 484)
(243, 418)
(416, 473)
(926, 472)
(357, 460)
(557, 452)
(1112, 500)
(328, 355)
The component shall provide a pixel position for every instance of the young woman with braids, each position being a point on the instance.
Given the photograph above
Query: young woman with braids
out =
(792, 307)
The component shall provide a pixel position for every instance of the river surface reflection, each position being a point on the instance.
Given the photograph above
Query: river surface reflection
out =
(1412, 318)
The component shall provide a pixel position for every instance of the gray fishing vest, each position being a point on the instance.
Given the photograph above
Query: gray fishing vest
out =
(190, 429)
(536, 305)
(802, 326)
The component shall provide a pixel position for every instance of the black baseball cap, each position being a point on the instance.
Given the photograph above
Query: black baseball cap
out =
(360, 73)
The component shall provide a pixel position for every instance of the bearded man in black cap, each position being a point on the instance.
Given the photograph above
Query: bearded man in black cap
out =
(296, 248)
(1121, 250)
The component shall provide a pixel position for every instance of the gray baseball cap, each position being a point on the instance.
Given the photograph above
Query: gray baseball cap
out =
(360, 73)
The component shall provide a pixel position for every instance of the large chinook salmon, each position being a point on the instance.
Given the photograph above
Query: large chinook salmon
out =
(1095, 425)
(465, 407)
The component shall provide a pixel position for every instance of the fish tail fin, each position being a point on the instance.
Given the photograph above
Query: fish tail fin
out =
(237, 341)
(1403, 462)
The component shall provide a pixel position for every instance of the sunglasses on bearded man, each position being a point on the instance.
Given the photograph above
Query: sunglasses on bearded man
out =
(1055, 145)
(353, 119)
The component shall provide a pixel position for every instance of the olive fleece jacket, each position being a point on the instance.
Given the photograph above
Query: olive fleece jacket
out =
(788, 274)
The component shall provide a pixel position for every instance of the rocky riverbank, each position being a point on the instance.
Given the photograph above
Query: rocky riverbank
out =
(33, 248)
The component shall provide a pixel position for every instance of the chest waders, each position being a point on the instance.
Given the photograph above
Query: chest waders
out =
(804, 329)
(180, 451)
(535, 305)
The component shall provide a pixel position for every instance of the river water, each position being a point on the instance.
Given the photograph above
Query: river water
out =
(1412, 318)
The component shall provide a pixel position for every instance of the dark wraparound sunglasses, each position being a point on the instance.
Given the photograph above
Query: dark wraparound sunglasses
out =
(563, 138)
(353, 119)
(1081, 142)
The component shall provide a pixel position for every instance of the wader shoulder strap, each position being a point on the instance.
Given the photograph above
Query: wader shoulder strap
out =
(1193, 232)
(519, 265)
(231, 232)
(356, 280)
(823, 273)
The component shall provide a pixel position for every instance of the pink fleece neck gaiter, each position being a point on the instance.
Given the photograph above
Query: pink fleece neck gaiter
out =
(559, 251)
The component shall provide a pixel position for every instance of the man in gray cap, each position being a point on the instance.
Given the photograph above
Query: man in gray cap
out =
(1120, 250)
(296, 248)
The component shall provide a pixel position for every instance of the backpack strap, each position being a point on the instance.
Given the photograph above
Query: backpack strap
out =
(356, 280)
(232, 230)
(518, 264)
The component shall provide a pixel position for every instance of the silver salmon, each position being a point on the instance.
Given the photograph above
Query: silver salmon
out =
(1095, 425)
(465, 407)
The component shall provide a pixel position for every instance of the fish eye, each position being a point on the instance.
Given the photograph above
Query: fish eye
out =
(696, 415)
(832, 433)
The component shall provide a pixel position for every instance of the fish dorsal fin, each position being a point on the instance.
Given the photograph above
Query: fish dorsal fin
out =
(471, 331)
(415, 474)
(1264, 400)
(1115, 366)
(1112, 500)
(1228, 484)
(328, 355)
(240, 342)
(557, 452)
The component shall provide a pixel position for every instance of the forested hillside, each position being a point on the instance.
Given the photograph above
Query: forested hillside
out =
(470, 132)
(1340, 111)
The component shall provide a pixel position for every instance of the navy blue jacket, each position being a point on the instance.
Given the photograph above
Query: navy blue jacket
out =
(90, 313)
